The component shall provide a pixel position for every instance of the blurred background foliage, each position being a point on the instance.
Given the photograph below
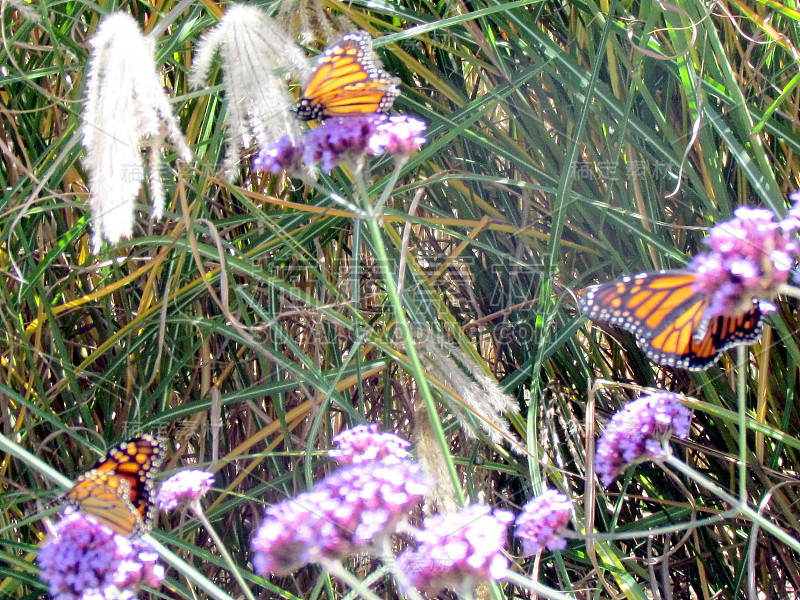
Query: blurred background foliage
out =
(568, 143)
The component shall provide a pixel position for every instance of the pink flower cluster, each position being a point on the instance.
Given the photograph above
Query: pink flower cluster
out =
(344, 513)
(362, 502)
(751, 256)
(639, 431)
(85, 559)
(458, 549)
(342, 138)
(363, 444)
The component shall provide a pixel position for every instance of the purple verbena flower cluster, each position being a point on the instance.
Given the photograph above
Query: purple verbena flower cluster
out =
(542, 522)
(639, 431)
(86, 560)
(458, 549)
(750, 257)
(284, 541)
(398, 135)
(345, 137)
(366, 501)
(345, 512)
(284, 155)
(184, 487)
(363, 443)
(360, 503)
(338, 138)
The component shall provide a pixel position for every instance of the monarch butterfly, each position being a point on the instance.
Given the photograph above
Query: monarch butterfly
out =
(347, 82)
(666, 314)
(118, 491)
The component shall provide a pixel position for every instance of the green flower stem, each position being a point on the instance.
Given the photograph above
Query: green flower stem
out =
(416, 366)
(372, 218)
(789, 290)
(536, 587)
(188, 571)
(666, 530)
(741, 507)
(741, 394)
(387, 189)
(389, 559)
(37, 464)
(466, 591)
(197, 509)
(336, 569)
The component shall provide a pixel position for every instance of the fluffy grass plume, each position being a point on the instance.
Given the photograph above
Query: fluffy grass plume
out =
(126, 107)
(254, 50)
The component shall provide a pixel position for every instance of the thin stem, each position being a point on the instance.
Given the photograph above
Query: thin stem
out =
(372, 220)
(789, 290)
(741, 393)
(742, 507)
(387, 189)
(536, 587)
(197, 509)
(646, 533)
(466, 591)
(390, 561)
(336, 569)
(188, 571)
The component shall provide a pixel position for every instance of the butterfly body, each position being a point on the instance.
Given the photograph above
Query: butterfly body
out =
(347, 82)
(118, 491)
(668, 316)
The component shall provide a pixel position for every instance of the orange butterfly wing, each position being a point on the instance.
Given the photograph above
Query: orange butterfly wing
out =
(106, 497)
(347, 82)
(121, 483)
(665, 312)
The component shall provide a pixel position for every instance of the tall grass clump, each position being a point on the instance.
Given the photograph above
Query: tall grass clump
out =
(362, 339)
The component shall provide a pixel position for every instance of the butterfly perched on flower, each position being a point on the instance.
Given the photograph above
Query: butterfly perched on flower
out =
(118, 491)
(667, 315)
(347, 82)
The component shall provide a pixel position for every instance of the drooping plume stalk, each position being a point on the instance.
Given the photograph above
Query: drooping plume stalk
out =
(371, 217)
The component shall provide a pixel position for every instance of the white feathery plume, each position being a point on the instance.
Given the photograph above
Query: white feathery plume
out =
(126, 107)
(255, 54)
(485, 403)
(311, 20)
